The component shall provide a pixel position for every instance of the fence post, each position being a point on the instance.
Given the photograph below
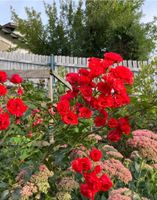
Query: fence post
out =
(51, 79)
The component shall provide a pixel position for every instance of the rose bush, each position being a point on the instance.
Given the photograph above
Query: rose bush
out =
(77, 148)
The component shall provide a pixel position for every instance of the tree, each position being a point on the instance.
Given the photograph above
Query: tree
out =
(88, 28)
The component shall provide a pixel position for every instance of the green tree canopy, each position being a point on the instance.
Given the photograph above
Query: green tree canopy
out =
(89, 28)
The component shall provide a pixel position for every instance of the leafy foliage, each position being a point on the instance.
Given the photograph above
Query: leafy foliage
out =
(144, 98)
(112, 25)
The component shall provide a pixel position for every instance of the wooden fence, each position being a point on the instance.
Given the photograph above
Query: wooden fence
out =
(20, 61)
(32, 66)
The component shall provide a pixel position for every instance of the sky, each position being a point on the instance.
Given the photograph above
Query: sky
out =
(149, 9)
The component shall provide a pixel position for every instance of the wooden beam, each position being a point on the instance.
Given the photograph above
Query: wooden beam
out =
(62, 80)
(25, 74)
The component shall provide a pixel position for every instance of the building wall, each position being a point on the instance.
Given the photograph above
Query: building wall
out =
(4, 46)
(6, 43)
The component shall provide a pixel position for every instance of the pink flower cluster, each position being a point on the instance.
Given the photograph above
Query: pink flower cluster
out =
(115, 168)
(119, 194)
(112, 152)
(79, 152)
(124, 194)
(37, 183)
(28, 190)
(145, 142)
(95, 137)
(37, 117)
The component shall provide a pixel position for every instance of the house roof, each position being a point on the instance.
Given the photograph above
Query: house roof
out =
(9, 29)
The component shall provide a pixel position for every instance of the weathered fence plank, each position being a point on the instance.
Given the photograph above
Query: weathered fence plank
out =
(28, 74)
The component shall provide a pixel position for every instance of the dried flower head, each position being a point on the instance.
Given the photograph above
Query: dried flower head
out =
(37, 184)
(67, 184)
(63, 196)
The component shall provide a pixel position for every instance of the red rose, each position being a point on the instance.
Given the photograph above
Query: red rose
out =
(112, 123)
(3, 90)
(81, 164)
(93, 182)
(86, 164)
(84, 80)
(63, 107)
(115, 57)
(123, 73)
(86, 191)
(16, 107)
(99, 121)
(70, 118)
(114, 135)
(4, 121)
(83, 72)
(120, 100)
(85, 112)
(20, 91)
(104, 88)
(97, 169)
(77, 165)
(72, 78)
(3, 76)
(105, 101)
(124, 125)
(68, 95)
(119, 87)
(95, 155)
(96, 67)
(106, 64)
(106, 183)
(86, 92)
(16, 79)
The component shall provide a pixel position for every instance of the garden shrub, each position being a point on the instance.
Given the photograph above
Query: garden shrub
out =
(81, 147)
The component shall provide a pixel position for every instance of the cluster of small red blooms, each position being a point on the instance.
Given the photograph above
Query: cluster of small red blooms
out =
(37, 121)
(37, 117)
(95, 180)
(95, 91)
(51, 111)
(14, 106)
(20, 91)
(119, 126)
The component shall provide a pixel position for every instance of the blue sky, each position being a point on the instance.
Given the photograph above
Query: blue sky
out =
(149, 9)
